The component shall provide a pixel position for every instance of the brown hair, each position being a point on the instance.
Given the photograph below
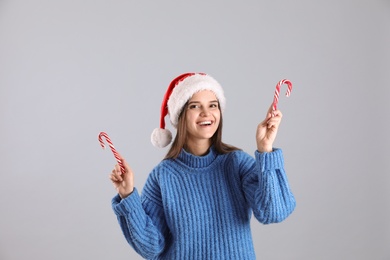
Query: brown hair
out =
(181, 137)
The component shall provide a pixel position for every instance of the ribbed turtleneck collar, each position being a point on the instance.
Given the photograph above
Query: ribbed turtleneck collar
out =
(194, 161)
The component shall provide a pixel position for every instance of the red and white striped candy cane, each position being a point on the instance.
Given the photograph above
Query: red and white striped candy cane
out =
(277, 91)
(116, 154)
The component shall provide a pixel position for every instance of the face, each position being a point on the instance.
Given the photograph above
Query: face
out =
(203, 116)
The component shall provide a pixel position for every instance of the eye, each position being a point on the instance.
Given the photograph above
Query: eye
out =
(214, 105)
(193, 106)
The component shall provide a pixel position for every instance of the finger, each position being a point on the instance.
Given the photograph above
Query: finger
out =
(117, 168)
(270, 109)
(266, 119)
(117, 174)
(127, 166)
(275, 119)
(113, 178)
(277, 113)
(273, 122)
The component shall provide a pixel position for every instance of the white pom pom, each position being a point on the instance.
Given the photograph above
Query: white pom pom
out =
(161, 137)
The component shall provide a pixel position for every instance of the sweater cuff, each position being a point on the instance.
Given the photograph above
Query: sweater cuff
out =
(131, 203)
(270, 161)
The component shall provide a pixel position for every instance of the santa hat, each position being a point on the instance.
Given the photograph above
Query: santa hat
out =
(179, 91)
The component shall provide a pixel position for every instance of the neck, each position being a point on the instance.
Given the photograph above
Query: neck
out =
(199, 147)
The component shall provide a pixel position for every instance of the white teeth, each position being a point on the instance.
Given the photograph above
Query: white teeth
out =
(205, 123)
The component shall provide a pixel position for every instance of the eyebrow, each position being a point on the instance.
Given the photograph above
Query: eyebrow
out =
(212, 101)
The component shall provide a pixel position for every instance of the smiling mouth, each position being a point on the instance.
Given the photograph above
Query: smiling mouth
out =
(205, 123)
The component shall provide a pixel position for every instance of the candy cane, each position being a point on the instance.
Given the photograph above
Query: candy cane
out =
(116, 154)
(277, 91)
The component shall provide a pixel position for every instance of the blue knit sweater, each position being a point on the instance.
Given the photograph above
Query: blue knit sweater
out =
(199, 207)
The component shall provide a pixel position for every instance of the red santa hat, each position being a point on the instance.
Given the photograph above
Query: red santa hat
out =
(179, 91)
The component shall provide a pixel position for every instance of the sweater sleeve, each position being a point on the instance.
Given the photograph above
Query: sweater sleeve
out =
(266, 187)
(141, 219)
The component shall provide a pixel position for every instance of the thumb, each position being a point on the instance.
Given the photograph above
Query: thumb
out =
(270, 109)
(125, 165)
(268, 117)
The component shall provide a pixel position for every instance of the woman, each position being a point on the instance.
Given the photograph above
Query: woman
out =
(197, 202)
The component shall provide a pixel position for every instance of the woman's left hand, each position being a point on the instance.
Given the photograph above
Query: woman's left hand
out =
(267, 130)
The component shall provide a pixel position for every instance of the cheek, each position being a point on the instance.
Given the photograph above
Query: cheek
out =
(192, 115)
(217, 116)
(190, 120)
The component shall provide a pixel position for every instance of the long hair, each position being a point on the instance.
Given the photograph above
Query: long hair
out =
(181, 137)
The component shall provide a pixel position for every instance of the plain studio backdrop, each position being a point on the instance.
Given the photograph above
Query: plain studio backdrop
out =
(70, 69)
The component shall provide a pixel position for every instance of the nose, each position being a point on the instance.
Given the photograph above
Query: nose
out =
(205, 111)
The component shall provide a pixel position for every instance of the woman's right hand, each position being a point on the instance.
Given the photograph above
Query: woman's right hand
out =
(123, 182)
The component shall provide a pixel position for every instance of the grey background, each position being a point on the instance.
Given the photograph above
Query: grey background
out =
(70, 69)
